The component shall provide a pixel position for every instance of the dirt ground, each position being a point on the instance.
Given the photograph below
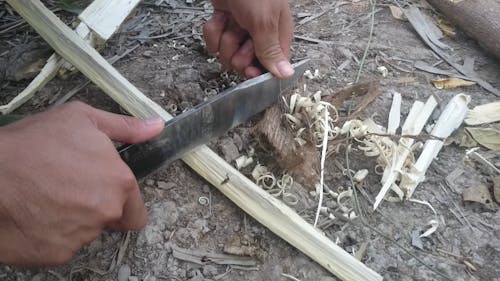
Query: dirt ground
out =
(176, 70)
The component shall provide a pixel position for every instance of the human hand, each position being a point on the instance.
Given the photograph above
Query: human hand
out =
(242, 30)
(62, 182)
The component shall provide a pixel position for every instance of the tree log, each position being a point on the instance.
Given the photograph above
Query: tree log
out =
(480, 19)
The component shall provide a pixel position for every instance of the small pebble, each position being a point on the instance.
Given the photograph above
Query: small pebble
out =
(209, 270)
(165, 185)
(149, 182)
(148, 54)
(124, 273)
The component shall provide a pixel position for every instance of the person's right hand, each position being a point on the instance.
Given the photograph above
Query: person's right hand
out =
(62, 181)
(242, 30)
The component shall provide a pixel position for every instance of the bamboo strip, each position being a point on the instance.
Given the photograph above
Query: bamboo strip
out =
(98, 12)
(266, 209)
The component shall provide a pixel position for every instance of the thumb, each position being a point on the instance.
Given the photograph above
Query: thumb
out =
(270, 54)
(126, 129)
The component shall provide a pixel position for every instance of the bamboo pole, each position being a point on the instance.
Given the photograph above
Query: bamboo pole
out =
(266, 209)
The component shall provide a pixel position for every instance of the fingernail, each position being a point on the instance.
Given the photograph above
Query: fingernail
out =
(154, 121)
(285, 68)
(247, 48)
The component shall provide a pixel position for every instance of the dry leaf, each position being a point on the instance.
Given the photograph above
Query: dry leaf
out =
(483, 114)
(361, 95)
(496, 188)
(447, 28)
(487, 137)
(461, 138)
(479, 194)
(451, 83)
(397, 13)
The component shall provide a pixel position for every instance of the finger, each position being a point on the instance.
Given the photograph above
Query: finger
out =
(244, 57)
(252, 72)
(286, 31)
(213, 29)
(268, 49)
(219, 4)
(231, 40)
(124, 128)
(134, 216)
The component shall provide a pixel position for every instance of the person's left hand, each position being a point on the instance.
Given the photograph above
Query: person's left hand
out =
(242, 30)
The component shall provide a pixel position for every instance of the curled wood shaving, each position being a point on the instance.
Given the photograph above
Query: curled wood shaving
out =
(279, 188)
(311, 113)
(433, 224)
(243, 161)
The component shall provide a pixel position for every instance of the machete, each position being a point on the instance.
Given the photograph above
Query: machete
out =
(207, 121)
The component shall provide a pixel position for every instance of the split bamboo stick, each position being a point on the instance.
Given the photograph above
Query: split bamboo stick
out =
(266, 209)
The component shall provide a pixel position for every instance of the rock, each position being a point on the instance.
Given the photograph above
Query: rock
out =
(152, 235)
(124, 272)
(150, 278)
(200, 225)
(38, 277)
(148, 54)
(165, 185)
(238, 141)
(496, 188)
(133, 278)
(195, 275)
(326, 278)
(210, 270)
(164, 215)
(479, 194)
(229, 150)
(150, 182)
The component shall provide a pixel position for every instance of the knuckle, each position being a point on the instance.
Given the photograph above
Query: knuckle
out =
(111, 212)
(264, 24)
(269, 52)
(127, 180)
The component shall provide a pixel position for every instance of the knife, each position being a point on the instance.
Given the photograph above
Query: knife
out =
(207, 121)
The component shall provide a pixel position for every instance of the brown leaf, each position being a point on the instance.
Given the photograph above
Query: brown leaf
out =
(361, 95)
(479, 194)
(451, 83)
(397, 13)
(447, 28)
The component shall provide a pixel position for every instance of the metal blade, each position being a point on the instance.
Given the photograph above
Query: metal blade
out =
(207, 121)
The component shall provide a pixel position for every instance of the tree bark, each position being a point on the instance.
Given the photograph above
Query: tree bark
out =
(480, 19)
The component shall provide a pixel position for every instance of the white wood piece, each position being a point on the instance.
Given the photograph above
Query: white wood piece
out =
(104, 17)
(268, 210)
(414, 123)
(451, 118)
(394, 114)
